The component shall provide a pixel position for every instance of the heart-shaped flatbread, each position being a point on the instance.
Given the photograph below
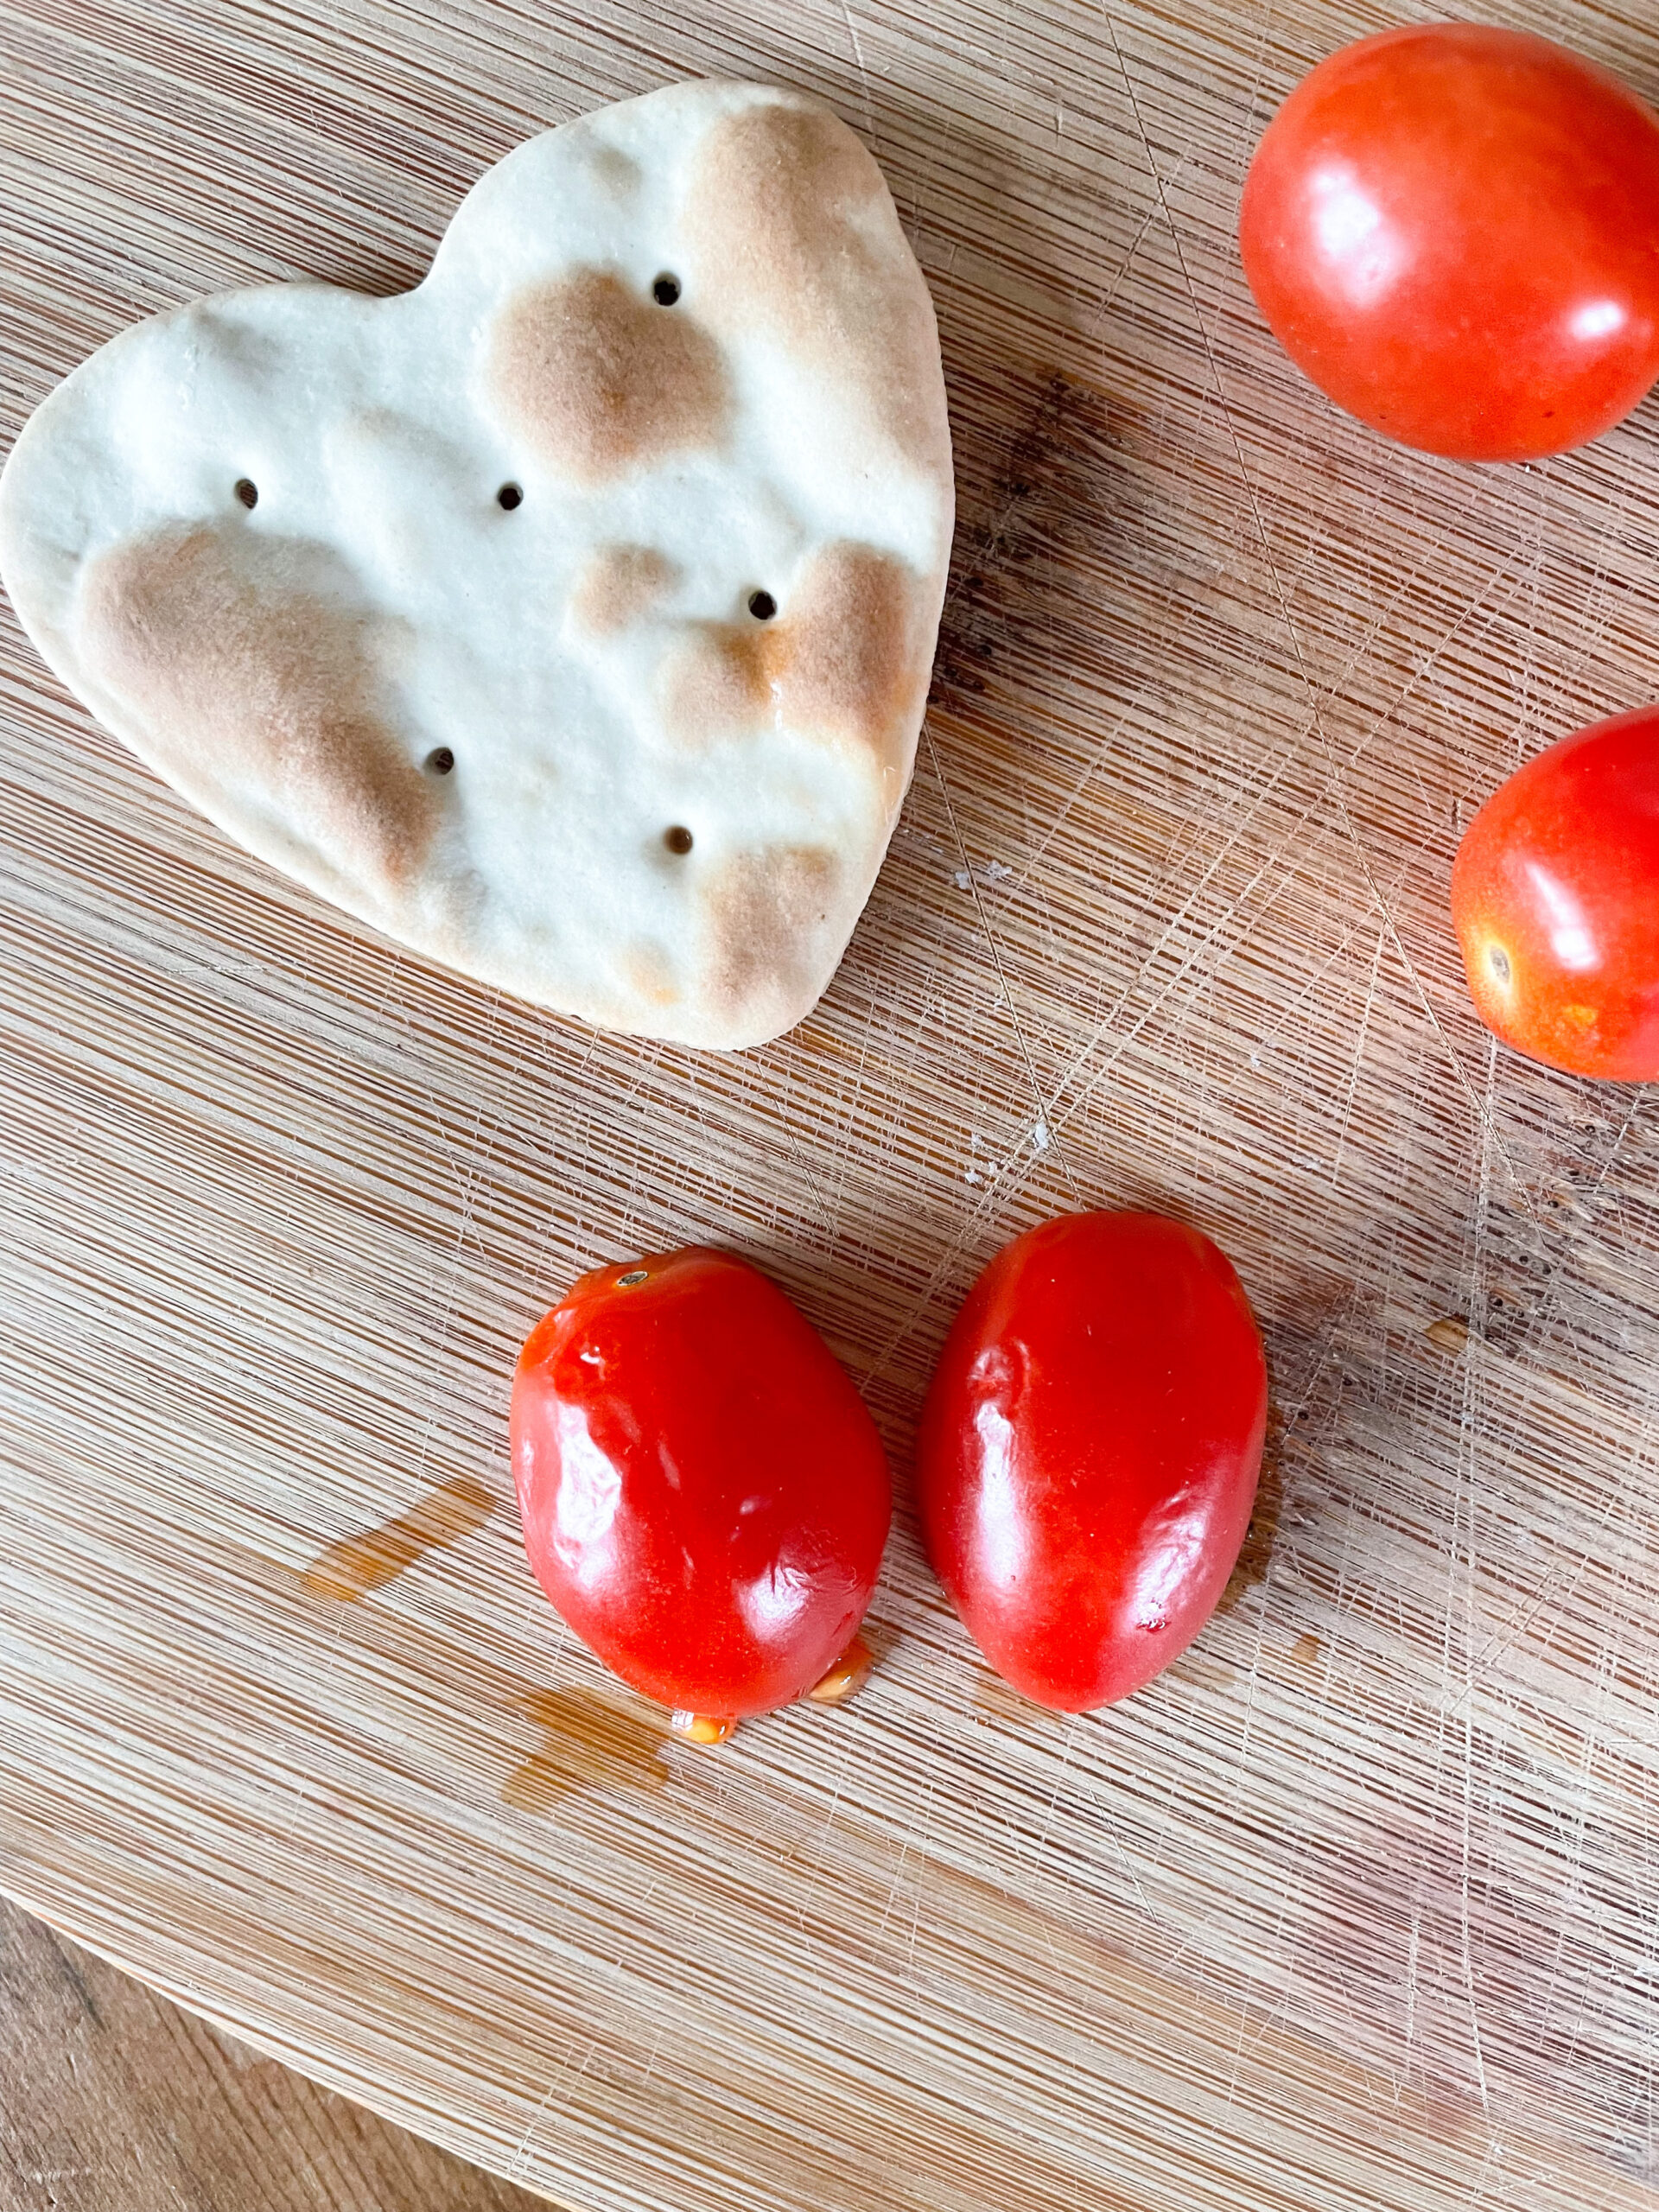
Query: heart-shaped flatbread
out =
(568, 617)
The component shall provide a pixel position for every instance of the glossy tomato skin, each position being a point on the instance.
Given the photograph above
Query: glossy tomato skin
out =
(1453, 231)
(705, 1498)
(1090, 1450)
(1556, 898)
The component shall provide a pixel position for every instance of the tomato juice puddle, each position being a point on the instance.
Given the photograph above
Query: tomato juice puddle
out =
(590, 1742)
(593, 1743)
(356, 1565)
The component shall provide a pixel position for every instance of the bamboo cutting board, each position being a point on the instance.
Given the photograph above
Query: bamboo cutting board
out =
(1355, 1906)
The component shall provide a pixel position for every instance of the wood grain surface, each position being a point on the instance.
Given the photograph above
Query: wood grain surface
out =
(111, 2100)
(1355, 1906)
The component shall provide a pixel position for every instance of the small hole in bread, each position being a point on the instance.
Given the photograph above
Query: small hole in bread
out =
(678, 839)
(510, 496)
(762, 606)
(247, 491)
(441, 760)
(665, 290)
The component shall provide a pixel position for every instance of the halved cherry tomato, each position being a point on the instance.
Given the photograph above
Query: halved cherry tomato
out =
(1090, 1450)
(705, 1498)
(1556, 896)
(1454, 231)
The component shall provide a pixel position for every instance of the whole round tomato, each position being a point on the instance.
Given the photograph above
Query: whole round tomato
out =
(1090, 1450)
(705, 1498)
(1454, 231)
(1556, 896)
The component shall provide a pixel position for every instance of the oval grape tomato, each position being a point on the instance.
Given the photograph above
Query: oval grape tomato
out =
(1089, 1452)
(705, 1498)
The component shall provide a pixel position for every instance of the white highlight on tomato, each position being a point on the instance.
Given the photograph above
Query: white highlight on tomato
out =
(590, 1490)
(1354, 233)
(1168, 1564)
(1002, 1545)
(773, 1600)
(1570, 937)
(1597, 319)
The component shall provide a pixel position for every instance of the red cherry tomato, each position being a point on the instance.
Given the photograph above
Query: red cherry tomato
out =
(705, 1498)
(1089, 1452)
(1556, 896)
(1454, 231)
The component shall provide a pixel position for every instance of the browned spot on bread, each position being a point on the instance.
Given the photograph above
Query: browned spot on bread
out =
(761, 913)
(789, 226)
(253, 686)
(598, 380)
(846, 659)
(617, 586)
(647, 971)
